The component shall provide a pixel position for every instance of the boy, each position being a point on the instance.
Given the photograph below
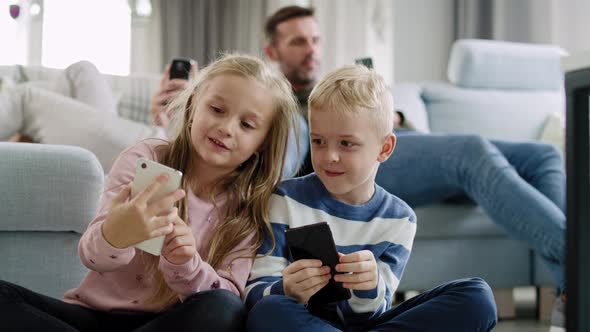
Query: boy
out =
(351, 123)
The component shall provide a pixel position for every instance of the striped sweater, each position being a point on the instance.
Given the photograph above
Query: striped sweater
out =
(384, 225)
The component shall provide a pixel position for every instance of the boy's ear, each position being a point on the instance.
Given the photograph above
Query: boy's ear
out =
(387, 148)
(270, 52)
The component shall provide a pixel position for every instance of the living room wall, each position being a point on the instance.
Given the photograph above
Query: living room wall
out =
(423, 34)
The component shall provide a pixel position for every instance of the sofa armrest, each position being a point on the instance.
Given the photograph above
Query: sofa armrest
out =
(48, 187)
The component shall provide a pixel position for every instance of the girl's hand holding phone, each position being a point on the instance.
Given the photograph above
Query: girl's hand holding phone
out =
(130, 221)
(179, 245)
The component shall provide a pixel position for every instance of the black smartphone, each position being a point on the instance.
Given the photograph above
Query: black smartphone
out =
(367, 62)
(180, 68)
(315, 241)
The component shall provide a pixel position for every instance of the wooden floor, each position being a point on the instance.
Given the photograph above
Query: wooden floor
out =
(523, 325)
(526, 315)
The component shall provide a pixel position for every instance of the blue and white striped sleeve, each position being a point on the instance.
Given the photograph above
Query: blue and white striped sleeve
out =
(266, 277)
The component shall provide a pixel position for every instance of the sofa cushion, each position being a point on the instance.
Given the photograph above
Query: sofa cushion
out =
(498, 114)
(452, 221)
(48, 187)
(476, 63)
(407, 98)
(436, 261)
(40, 73)
(135, 92)
(10, 75)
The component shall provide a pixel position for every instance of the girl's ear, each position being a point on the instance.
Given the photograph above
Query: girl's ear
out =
(387, 148)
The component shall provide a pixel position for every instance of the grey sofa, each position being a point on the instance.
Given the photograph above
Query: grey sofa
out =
(49, 195)
(497, 90)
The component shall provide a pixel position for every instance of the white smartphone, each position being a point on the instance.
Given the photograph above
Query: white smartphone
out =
(146, 173)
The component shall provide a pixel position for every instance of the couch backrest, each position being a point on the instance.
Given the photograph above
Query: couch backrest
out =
(494, 64)
(492, 113)
(497, 89)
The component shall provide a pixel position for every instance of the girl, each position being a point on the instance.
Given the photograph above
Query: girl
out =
(233, 125)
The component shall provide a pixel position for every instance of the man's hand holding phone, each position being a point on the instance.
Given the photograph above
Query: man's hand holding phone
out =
(170, 87)
(359, 270)
(305, 277)
(131, 221)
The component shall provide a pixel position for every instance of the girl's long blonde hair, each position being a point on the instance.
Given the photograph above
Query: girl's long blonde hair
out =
(249, 187)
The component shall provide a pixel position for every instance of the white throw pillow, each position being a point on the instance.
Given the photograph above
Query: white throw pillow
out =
(554, 131)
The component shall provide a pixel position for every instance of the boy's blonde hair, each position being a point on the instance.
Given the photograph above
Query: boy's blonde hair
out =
(249, 187)
(355, 88)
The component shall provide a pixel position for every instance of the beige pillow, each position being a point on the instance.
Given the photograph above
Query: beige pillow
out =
(553, 131)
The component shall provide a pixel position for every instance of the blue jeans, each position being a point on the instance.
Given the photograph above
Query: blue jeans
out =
(520, 185)
(462, 305)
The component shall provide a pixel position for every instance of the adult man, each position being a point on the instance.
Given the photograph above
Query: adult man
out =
(502, 177)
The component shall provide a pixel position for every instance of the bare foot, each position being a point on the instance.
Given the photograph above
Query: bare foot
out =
(20, 138)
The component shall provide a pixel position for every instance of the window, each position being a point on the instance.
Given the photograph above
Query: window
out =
(97, 31)
(12, 38)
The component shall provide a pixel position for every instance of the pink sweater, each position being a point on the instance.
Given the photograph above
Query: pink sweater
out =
(118, 279)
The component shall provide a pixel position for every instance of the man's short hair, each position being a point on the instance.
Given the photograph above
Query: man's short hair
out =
(282, 15)
(355, 89)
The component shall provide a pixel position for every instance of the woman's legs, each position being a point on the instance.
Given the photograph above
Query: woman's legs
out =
(462, 305)
(426, 169)
(51, 118)
(11, 115)
(83, 82)
(214, 310)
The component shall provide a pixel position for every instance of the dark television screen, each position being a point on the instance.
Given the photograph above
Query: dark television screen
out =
(577, 89)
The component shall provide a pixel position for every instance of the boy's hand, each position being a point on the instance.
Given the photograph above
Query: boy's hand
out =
(179, 246)
(362, 269)
(130, 221)
(305, 277)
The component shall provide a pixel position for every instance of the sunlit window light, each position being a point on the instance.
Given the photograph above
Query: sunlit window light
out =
(12, 38)
(97, 31)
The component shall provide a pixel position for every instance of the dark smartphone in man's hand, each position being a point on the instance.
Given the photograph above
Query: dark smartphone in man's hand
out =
(180, 68)
(367, 62)
(315, 241)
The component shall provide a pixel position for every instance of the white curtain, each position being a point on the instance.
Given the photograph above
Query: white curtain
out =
(354, 29)
(559, 22)
(200, 29)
